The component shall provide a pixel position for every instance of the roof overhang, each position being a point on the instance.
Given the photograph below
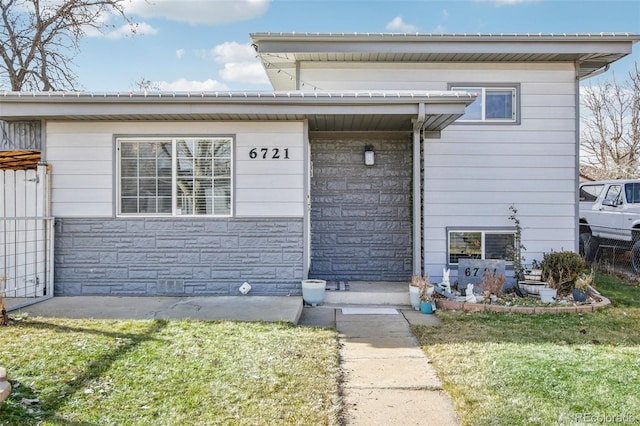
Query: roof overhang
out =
(284, 51)
(325, 111)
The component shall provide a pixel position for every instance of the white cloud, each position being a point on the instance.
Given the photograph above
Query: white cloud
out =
(232, 51)
(123, 31)
(128, 30)
(195, 12)
(445, 14)
(244, 72)
(241, 64)
(398, 24)
(184, 85)
(179, 53)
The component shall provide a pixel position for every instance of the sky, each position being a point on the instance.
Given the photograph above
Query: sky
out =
(204, 45)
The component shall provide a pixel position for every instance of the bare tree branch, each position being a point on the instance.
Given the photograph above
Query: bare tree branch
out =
(610, 137)
(40, 38)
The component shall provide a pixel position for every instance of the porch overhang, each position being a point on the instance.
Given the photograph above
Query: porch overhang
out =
(325, 111)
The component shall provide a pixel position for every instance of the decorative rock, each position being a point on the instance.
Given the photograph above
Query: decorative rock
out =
(5, 386)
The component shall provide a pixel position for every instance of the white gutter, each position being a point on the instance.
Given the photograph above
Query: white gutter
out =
(595, 73)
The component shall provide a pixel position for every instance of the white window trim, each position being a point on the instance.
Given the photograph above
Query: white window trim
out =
(173, 139)
(484, 87)
(483, 232)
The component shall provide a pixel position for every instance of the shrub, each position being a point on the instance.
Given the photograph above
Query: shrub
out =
(561, 269)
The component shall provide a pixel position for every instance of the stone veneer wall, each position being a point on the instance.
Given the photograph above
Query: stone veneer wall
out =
(178, 256)
(361, 226)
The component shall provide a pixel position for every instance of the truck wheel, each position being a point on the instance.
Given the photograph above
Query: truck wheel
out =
(635, 256)
(589, 247)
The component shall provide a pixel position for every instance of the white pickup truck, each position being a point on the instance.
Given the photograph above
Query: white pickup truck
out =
(610, 215)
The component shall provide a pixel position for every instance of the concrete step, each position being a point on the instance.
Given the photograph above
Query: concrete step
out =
(370, 293)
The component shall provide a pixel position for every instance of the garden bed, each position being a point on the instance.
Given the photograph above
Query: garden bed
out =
(527, 305)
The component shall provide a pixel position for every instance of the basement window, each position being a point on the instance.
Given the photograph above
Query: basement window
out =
(188, 176)
(480, 244)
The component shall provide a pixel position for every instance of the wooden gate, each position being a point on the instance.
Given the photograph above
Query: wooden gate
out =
(26, 236)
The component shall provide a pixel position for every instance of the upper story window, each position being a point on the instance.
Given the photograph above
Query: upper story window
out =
(495, 104)
(175, 176)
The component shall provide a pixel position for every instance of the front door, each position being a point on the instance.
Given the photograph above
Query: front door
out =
(361, 215)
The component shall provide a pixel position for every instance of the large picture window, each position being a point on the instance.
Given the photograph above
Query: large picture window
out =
(175, 176)
(480, 244)
(493, 104)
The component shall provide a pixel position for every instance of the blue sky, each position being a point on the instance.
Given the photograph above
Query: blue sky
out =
(200, 45)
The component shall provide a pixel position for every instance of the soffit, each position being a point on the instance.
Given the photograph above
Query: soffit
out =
(281, 52)
(346, 111)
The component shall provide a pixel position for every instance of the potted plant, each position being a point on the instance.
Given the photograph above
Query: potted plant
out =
(414, 291)
(533, 274)
(313, 291)
(426, 297)
(580, 290)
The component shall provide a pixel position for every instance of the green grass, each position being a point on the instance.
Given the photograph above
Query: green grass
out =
(517, 369)
(90, 372)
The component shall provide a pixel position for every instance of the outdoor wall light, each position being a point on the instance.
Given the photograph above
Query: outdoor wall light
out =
(369, 156)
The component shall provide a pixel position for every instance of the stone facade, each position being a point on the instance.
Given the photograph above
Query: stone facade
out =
(178, 256)
(361, 223)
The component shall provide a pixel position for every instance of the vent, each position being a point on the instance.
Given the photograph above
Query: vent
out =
(170, 286)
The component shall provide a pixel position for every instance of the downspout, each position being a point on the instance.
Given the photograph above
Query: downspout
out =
(576, 183)
(417, 191)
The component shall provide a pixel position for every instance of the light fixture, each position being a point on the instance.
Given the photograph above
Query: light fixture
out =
(369, 156)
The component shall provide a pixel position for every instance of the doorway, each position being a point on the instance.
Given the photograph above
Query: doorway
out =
(361, 225)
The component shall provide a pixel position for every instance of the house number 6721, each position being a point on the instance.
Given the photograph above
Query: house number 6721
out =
(269, 153)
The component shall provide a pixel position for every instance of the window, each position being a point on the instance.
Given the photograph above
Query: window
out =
(589, 193)
(613, 196)
(494, 104)
(175, 176)
(632, 191)
(480, 244)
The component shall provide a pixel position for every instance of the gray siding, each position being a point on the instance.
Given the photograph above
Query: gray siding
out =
(156, 256)
(360, 215)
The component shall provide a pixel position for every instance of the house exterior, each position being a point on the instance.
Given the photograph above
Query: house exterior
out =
(196, 193)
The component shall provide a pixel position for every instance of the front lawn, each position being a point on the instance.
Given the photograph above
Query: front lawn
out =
(107, 372)
(517, 369)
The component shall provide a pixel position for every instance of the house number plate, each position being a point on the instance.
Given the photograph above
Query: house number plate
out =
(269, 153)
(470, 271)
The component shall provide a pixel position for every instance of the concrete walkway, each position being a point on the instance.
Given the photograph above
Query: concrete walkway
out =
(387, 377)
(236, 308)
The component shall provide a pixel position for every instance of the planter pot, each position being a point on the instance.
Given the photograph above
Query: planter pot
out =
(414, 297)
(426, 307)
(532, 287)
(313, 291)
(533, 275)
(579, 295)
(548, 295)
